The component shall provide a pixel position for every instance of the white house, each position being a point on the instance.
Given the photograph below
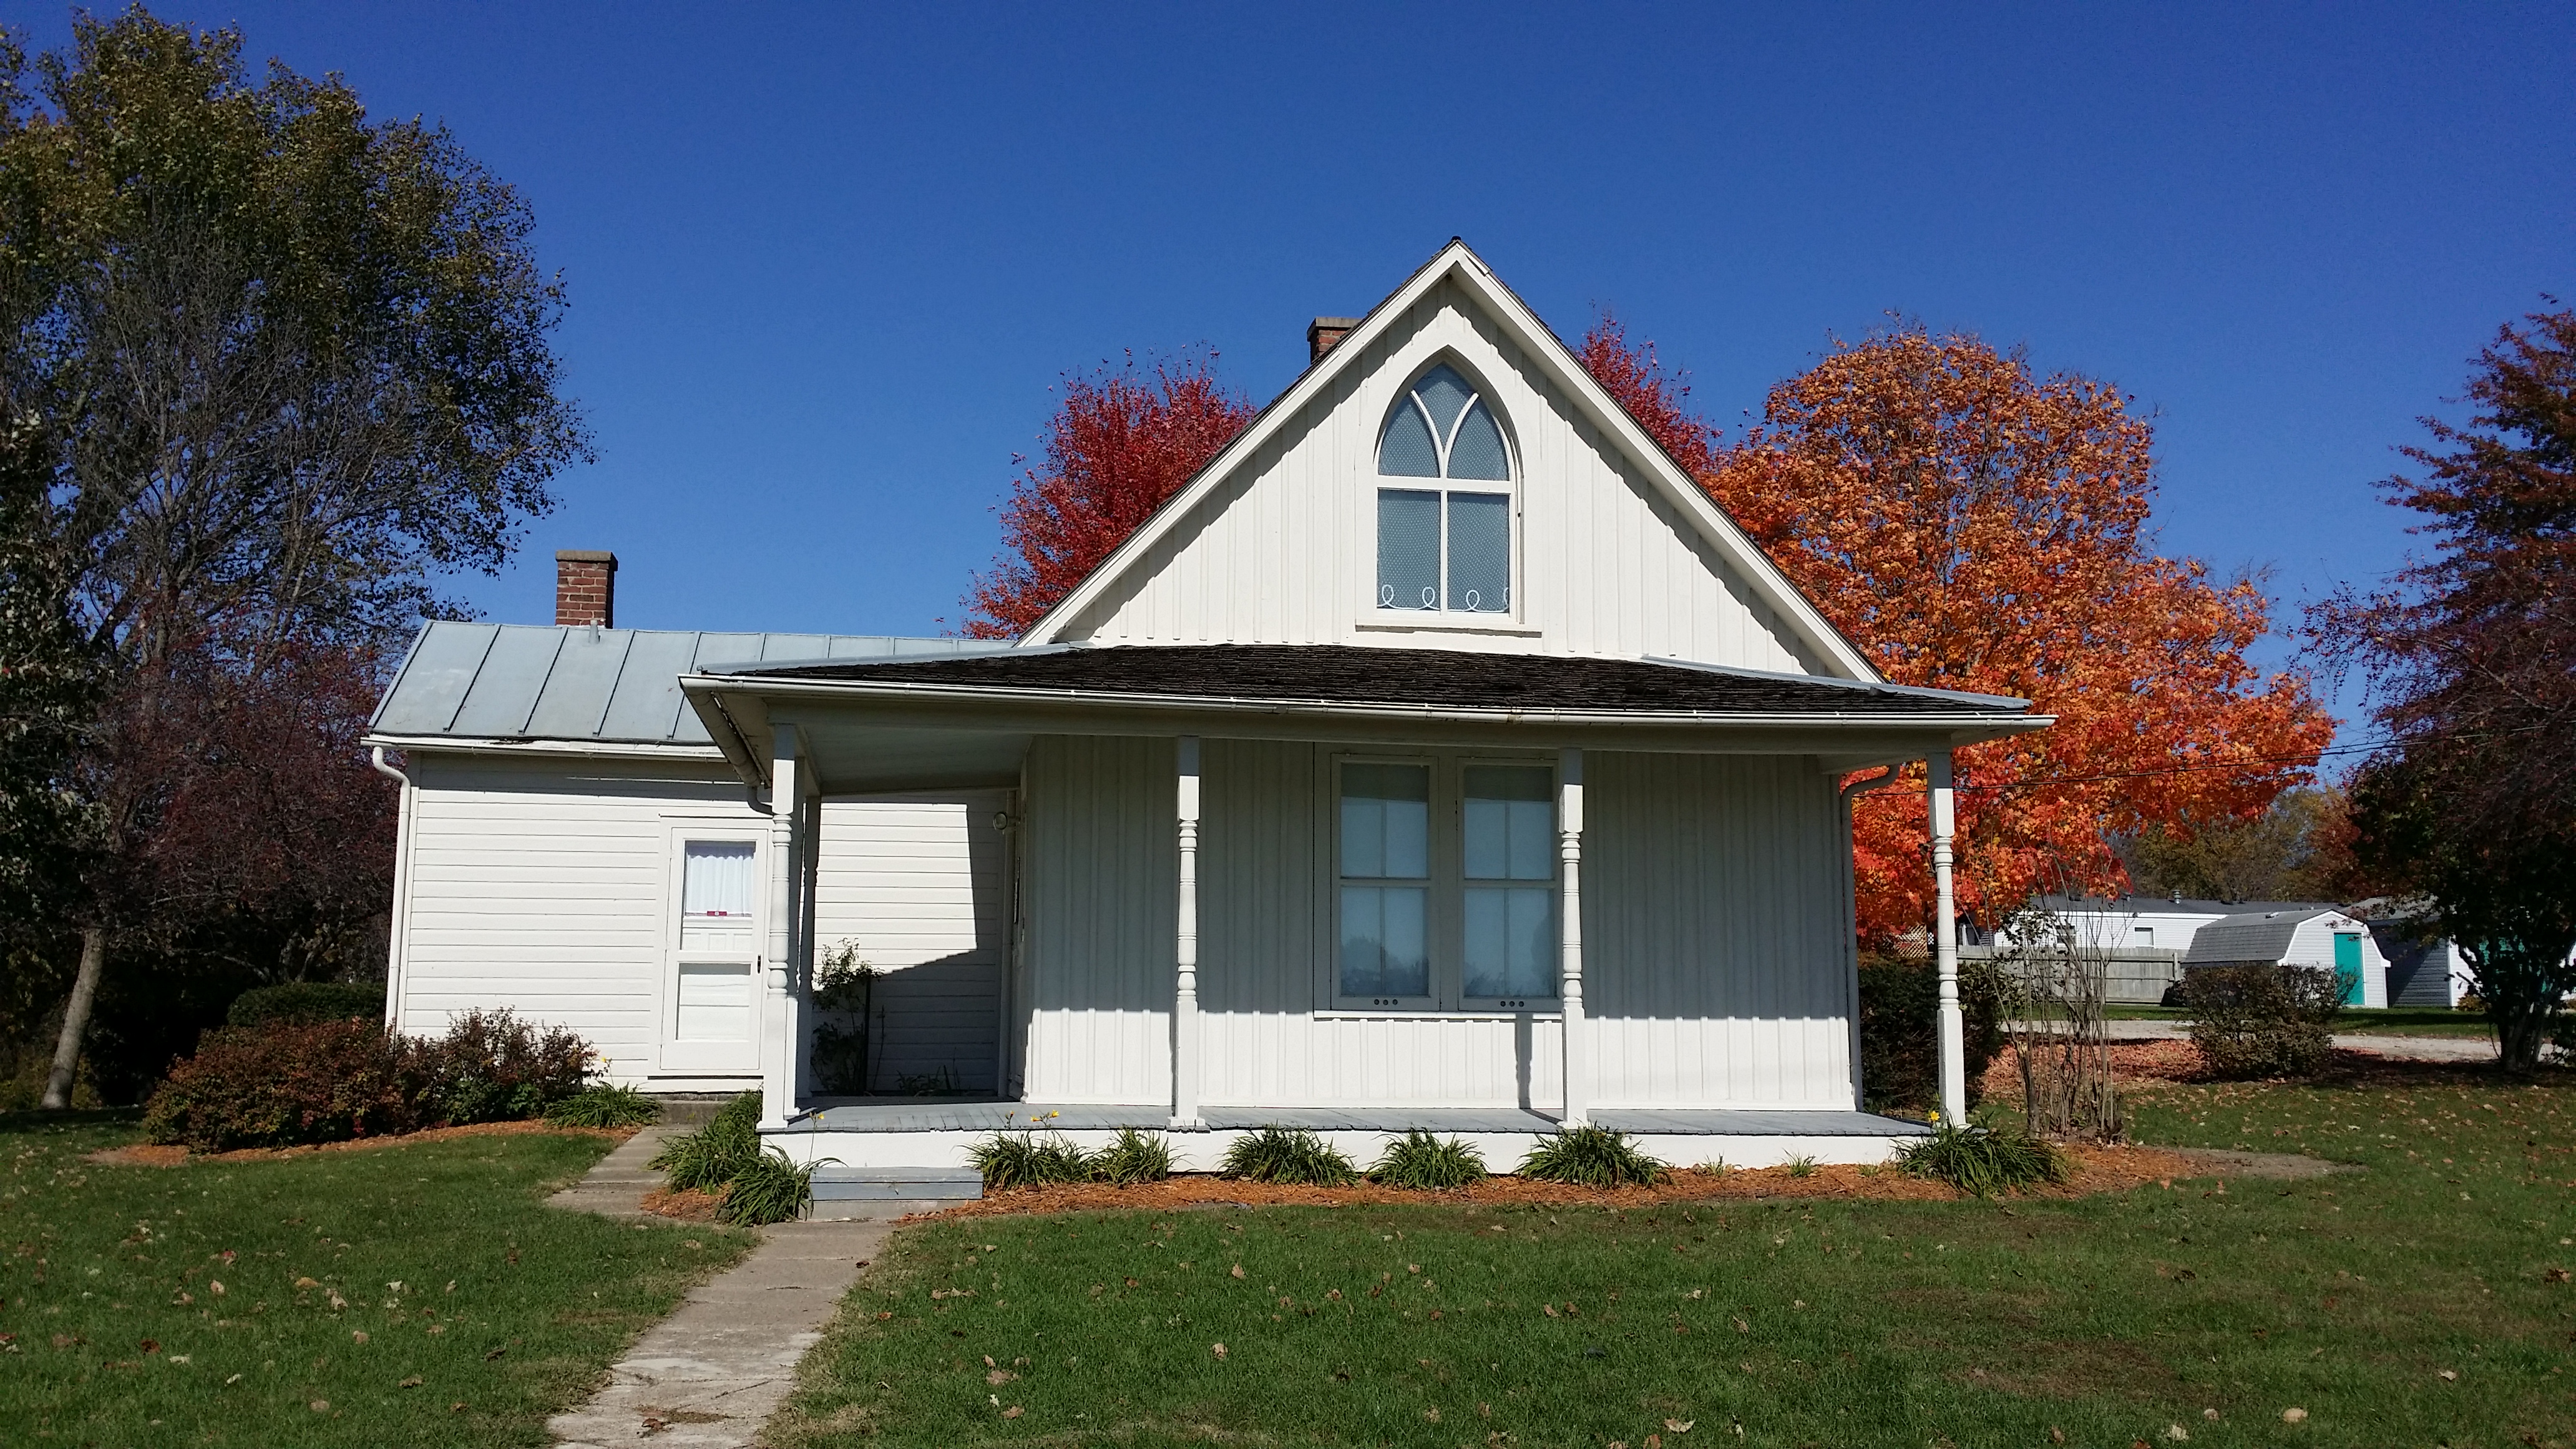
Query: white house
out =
(2318, 937)
(1439, 757)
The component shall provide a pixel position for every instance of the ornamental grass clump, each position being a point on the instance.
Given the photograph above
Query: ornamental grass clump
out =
(605, 1105)
(714, 1155)
(770, 1189)
(1424, 1163)
(1281, 1154)
(1025, 1159)
(1591, 1157)
(1983, 1159)
(1134, 1158)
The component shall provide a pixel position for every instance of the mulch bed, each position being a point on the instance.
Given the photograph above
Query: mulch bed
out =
(153, 1155)
(688, 1205)
(2097, 1169)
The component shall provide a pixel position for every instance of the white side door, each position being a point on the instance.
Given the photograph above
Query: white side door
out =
(711, 983)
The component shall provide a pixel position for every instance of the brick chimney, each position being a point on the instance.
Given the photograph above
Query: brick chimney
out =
(586, 587)
(1323, 333)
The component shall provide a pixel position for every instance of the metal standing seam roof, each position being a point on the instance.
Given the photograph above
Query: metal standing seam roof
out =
(2251, 936)
(572, 682)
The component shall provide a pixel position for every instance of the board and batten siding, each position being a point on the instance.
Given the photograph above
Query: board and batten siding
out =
(546, 887)
(1716, 941)
(1285, 552)
(1101, 894)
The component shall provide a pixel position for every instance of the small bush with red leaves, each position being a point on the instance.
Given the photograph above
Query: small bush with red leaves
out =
(282, 1085)
(285, 1084)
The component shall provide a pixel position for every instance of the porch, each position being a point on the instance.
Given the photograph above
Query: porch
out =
(1180, 938)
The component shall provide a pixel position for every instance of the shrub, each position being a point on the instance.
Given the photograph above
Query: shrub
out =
(1423, 1162)
(768, 1189)
(1900, 1037)
(2262, 1020)
(302, 1003)
(1023, 1159)
(1984, 1159)
(604, 1105)
(493, 1067)
(1280, 1154)
(1135, 1157)
(284, 1085)
(1591, 1157)
(707, 1159)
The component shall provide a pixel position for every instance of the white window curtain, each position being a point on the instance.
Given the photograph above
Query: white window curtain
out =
(716, 879)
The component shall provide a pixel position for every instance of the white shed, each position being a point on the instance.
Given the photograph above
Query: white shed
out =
(2318, 937)
(1440, 757)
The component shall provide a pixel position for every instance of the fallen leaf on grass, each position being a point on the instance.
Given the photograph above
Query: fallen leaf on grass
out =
(357, 1335)
(320, 1406)
(1235, 1272)
(1013, 1412)
(153, 1345)
(304, 1283)
(1678, 1426)
(2450, 1376)
(1218, 1349)
(1550, 1310)
(999, 1377)
(2294, 1416)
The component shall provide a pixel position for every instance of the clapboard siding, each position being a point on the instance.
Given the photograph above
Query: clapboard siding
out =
(540, 886)
(1101, 896)
(545, 889)
(1718, 973)
(917, 885)
(1285, 551)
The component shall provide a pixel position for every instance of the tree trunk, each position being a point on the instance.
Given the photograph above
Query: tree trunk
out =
(93, 964)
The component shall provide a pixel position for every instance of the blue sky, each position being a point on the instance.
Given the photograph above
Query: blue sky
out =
(826, 263)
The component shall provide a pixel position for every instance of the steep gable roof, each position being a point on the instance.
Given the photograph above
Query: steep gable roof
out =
(1456, 263)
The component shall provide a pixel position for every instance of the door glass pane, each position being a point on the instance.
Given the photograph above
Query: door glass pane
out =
(1511, 946)
(1386, 821)
(1510, 822)
(715, 1003)
(1408, 549)
(1480, 552)
(1383, 950)
(716, 879)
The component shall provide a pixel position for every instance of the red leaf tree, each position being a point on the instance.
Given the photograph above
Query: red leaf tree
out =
(1122, 441)
(1971, 525)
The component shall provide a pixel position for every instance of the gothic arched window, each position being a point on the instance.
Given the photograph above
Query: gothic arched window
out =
(1447, 545)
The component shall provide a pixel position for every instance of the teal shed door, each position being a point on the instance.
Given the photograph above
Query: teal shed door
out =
(2348, 966)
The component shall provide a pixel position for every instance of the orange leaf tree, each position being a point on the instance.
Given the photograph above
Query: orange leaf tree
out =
(1971, 525)
(1121, 442)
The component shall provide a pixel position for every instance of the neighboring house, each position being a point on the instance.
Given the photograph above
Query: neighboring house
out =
(2319, 937)
(2143, 938)
(1439, 757)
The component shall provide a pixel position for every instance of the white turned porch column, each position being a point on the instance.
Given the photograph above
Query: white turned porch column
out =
(1185, 978)
(1945, 943)
(778, 1053)
(800, 963)
(1569, 959)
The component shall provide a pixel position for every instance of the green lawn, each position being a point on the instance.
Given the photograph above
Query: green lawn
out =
(417, 1295)
(2392, 1021)
(2113, 1319)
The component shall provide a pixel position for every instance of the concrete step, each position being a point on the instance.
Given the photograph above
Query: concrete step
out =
(834, 1183)
(690, 1109)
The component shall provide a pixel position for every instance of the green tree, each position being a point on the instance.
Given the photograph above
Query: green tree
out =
(2471, 662)
(298, 360)
(2299, 849)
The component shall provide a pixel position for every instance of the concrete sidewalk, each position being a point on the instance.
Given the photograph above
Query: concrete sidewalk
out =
(2410, 1048)
(712, 1373)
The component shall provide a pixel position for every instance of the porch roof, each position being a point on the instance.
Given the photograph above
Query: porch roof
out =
(919, 723)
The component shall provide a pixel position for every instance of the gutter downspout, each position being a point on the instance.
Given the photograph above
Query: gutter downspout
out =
(398, 924)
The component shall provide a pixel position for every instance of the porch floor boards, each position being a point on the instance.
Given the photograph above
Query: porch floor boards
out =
(994, 1116)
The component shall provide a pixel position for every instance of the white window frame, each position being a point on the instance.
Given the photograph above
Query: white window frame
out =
(678, 1056)
(1444, 926)
(1381, 616)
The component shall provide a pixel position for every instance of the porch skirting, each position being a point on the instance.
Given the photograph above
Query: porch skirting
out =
(943, 1134)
